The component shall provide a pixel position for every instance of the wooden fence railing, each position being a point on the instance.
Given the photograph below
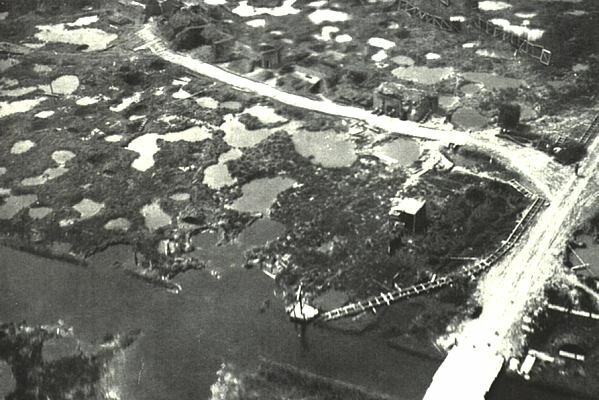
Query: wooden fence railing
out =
(371, 303)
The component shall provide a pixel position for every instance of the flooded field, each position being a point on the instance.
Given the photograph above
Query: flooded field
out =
(39, 212)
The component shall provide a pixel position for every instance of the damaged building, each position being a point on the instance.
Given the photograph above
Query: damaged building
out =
(403, 102)
(190, 29)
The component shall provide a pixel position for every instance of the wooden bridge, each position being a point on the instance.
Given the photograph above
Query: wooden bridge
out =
(371, 303)
(523, 190)
(578, 313)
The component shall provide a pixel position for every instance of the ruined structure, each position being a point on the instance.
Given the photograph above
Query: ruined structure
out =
(316, 77)
(207, 42)
(396, 100)
(191, 29)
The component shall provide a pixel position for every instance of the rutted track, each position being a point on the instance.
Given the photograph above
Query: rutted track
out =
(389, 124)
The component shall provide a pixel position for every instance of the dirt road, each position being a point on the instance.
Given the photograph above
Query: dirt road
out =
(514, 285)
(525, 160)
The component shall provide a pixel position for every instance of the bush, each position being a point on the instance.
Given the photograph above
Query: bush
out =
(572, 152)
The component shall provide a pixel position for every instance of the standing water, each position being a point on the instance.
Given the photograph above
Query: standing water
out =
(186, 337)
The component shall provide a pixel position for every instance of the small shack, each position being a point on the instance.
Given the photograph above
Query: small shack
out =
(406, 103)
(410, 212)
(270, 56)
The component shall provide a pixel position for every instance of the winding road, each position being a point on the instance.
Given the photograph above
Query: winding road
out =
(513, 286)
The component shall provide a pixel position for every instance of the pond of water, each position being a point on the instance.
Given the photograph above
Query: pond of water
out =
(126, 102)
(492, 81)
(237, 135)
(327, 148)
(423, 75)
(154, 216)
(259, 194)
(87, 208)
(147, 145)
(245, 10)
(590, 254)
(15, 203)
(19, 106)
(95, 39)
(65, 85)
(469, 118)
(186, 337)
(118, 224)
(322, 15)
(217, 176)
(22, 146)
(400, 151)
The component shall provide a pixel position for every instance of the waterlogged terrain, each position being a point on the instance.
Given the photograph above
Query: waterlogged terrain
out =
(185, 338)
(139, 147)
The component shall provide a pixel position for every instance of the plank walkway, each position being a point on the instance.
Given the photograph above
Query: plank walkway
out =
(590, 132)
(371, 303)
(578, 313)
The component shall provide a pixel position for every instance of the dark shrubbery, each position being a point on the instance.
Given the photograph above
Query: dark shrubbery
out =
(571, 152)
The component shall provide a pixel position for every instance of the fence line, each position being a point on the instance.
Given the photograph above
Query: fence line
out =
(521, 44)
(466, 271)
(416, 12)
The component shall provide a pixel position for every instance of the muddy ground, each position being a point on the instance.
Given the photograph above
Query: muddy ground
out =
(336, 220)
